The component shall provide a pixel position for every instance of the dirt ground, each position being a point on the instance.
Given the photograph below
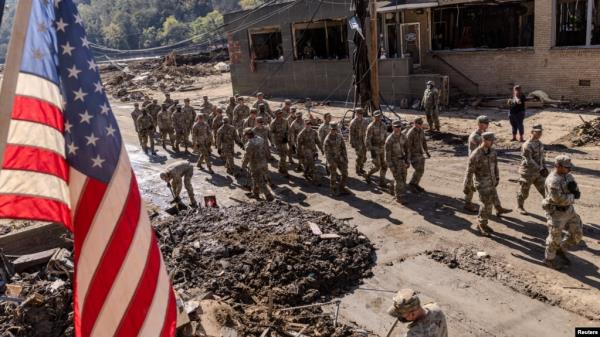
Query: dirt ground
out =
(431, 243)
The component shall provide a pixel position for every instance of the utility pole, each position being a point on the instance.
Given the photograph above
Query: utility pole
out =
(373, 57)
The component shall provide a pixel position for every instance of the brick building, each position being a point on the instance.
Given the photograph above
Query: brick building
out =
(302, 48)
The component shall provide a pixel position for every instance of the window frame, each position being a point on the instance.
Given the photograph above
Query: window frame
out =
(341, 22)
(588, 27)
(264, 30)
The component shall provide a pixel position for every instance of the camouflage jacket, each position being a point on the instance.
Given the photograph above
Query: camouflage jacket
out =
(323, 131)
(135, 114)
(532, 154)
(179, 121)
(263, 133)
(279, 131)
(145, 123)
(308, 140)
(201, 135)
(431, 98)
(249, 122)
(396, 150)
(217, 122)
(483, 164)
(417, 144)
(294, 130)
(229, 111)
(335, 148)
(178, 169)
(255, 156)
(375, 136)
(227, 137)
(190, 116)
(432, 325)
(475, 140)
(164, 120)
(557, 193)
(240, 113)
(358, 129)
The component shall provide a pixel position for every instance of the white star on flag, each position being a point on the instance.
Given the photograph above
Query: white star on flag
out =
(85, 117)
(105, 109)
(68, 127)
(91, 140)
(78, 19)
(98, 87)
(97, 162)
(73, 72)
(110, 131)
(73, 148)
(92, 65)
(84, 42)
(79, 95)
(61, 25)
(67, 49)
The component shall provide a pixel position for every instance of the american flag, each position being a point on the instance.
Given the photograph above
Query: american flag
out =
(65, 162)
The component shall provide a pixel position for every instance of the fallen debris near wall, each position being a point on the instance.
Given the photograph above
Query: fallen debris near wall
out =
(588, 133)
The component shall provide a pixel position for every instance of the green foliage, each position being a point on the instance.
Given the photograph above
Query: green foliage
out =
(208, 27)
(249, 4)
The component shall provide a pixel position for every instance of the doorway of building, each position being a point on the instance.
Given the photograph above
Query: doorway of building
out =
(411, 42)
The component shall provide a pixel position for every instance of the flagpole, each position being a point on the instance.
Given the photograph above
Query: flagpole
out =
(12, 66)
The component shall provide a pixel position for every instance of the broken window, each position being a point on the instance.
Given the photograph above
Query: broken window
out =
(572, 25)
(324, 39)
(483, 25)
(390, 35)
(265, 44)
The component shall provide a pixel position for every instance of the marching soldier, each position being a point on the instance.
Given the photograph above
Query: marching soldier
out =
(279, 138)
(202, 142)
(375, 142)
(180, 126)
(431, 104)
(417, 149)
(358, 129)
(146, 103)
(168, 101)
(190, 117)
(262, 112)
(135, 114)
(323, 132)
(240, 113)
(306, 145)
(475, 140)
(295, 128)
(423, 321)
(254, 157)
(561, 192)
(396, 157)
(217, 122)
(337, 159)
(165, 127)
(260, 99)
(153, 109)
(533, 170)
(264, 133)
(206, 108)
(230, 107)
(292, 117)
(146, 129)
(287, 109)
(227, 137)
(250, 122)
(483, 166)
(174, 174)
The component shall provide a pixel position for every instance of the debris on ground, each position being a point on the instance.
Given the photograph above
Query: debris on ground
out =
(543, 97)
(588, 133)
(264, 257)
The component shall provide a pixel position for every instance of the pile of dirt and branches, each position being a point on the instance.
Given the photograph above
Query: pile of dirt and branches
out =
(588, 133)
(267, 255)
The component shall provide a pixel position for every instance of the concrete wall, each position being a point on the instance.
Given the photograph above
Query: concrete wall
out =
(318, 79)
(556, 70)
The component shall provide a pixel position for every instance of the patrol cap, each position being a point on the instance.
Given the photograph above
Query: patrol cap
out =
(430, 83)
(248, 132)
(253, 110)
(359, 111)
(333, 125)
(537, 128)
(377, 113)
(327, 114)
(278, 111)
(259, 94)
(397, 124)
(483, 119)
(418, 120)
(405, 301)
(260, 120)
(488, 136)
(564, 161)
(204, 97)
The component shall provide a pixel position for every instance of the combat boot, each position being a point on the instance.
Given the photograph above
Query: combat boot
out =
(470, 207)
(552, 264)
(522, 210)
(484, 229)
(560, 253)
(401, 200)
(501, 210)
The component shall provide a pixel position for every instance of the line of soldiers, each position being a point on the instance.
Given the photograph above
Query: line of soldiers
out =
(257, 129)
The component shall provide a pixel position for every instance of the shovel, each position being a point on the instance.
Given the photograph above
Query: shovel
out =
(179, 206)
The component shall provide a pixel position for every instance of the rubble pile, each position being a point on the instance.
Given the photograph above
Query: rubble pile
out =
(253, 256)
(588, 133)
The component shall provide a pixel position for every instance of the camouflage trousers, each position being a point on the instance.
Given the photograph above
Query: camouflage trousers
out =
(378, 160)
(433, 118)
(559, 221)
(227, 154)
(283, 152)
(338, 181)
(164, 133)
(203, 156)
(538, 181)
(399, 173)
(361, 158)
(487, 197)
(471, 191)
(307, 160)
(180, 138)
(259, 181)
(418, 164)
(176, 185)
(146, 136)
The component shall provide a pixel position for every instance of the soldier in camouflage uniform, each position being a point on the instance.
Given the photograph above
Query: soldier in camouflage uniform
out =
(417, 149)
(206, 108)
(279, 138)
(168, 101)
(217, 122)
(423, 321)
(561, 192)
(533, 170)
(431, 105)
(230, 107)
(293, 115)
(358, 130)
(174, 174)
(180, 126)
(154, 109)
(295, 128)
(135, 114)
(146, 103)
(483, 166)
(240, 113)
(255, 159)
(227, 137)
(306, 145)
(165, 127)
(262, 112)
(250, 122)
(323, 132)
(475, 140)
(202, 141)
(146, 129)
(287, 109)
(396, 158)
(190, 117)
(260, 99)
(264, 133)
(375, 141)
(337, 159)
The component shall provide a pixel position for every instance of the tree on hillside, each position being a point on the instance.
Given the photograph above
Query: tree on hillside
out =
(208, 27)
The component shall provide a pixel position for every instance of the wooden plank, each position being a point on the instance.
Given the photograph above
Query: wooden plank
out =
(35, 238)
(31, 260)
(330, 236)
(315, 228)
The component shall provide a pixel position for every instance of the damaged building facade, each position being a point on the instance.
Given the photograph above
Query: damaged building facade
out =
(304, 48)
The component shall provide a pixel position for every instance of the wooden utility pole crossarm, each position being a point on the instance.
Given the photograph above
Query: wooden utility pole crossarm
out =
(373, 55)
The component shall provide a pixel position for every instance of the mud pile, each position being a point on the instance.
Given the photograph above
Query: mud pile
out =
(253, 254)
(587, 133)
